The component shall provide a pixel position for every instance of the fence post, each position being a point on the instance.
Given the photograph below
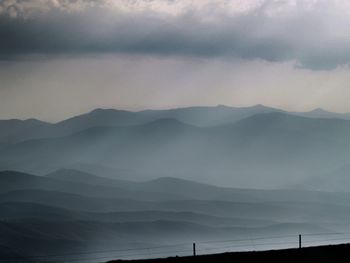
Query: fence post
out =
(299, 241)
(194, 249)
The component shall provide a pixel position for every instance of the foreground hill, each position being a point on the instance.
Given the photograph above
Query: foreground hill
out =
(321, 254)
(70, 212)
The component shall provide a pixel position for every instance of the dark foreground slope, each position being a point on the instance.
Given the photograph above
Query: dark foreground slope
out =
(321, 254)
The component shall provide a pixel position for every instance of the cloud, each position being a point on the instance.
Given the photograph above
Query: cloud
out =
(312, 33)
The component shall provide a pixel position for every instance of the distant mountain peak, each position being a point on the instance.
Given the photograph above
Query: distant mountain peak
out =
(262, 107)
(257, 107)
(319, 110)
(222, 106)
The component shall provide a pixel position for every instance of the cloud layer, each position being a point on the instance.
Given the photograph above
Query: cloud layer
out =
(314, 34)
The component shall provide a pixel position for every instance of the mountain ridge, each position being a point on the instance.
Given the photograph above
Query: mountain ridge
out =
(196, 115)
(172, 149)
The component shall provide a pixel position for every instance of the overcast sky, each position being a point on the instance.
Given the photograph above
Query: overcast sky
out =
(59, 58)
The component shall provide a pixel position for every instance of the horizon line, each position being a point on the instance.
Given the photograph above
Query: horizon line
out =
(173, 108)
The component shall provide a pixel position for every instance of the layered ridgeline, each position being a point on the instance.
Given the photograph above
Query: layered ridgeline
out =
(116, 184)
(15, 130)
(71, 215)
(257, 147)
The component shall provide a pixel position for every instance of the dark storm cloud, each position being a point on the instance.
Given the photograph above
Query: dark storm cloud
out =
(301, 36)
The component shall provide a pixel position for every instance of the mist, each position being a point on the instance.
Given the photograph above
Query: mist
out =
(153, 129)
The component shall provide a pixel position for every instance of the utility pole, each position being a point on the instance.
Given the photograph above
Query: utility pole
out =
(299, 241)
(194, 249)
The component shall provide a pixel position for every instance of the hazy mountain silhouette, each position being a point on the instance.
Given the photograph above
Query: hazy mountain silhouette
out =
(250, 152)
(334, 181)
(16, 130)
(117, 179)
(229, 203)
(26, 210)
(21, 130)
(162, 189)
(198, 116)
(321, 113)
(13, 181)
(74, 175)
(69, 211)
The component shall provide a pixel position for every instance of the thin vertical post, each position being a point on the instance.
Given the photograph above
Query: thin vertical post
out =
(194, 249)
(299, 241)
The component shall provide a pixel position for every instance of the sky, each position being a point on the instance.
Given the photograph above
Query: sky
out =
(60, 58)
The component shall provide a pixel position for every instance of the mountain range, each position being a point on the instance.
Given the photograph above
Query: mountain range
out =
(257, 146)
(112, 180)
(15, 130)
